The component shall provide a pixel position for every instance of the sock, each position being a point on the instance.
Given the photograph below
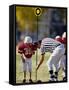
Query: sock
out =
(51, 75)
(56, 76)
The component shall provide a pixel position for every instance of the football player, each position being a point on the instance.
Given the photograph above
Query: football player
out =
(62, 62)
(57, 49)
(27, 49)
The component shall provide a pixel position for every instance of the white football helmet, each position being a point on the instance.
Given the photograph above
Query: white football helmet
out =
(28, 39)
(64, 35)
(64, 38)
(57, 37)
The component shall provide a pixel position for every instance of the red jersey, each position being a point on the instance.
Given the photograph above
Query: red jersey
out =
(64, 40)
(27, 49)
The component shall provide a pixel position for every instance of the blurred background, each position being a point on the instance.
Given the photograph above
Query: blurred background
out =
(51, 22)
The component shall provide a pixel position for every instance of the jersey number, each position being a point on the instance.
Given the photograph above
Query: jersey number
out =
(28, 51)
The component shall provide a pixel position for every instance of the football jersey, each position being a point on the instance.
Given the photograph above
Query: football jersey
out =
(27, 49)
(48, 45)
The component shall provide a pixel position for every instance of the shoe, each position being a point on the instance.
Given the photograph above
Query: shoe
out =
(51, 78)
(24, 81)
(30, 80)
(64, 78)
(55, 78)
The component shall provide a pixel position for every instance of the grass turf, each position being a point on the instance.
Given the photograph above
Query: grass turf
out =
(42, 73)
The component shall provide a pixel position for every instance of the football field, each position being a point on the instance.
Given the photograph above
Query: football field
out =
(42, 73)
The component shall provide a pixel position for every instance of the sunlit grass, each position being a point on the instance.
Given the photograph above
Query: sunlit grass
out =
(42, 73)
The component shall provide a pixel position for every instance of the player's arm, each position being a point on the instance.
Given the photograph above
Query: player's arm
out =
(19, 51)
(21, 54)
(41, 61)
(34, 48)
(23, 60)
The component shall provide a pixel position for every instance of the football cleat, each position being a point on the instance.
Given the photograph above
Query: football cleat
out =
(64, 78)
(24, 80)
(30, 80)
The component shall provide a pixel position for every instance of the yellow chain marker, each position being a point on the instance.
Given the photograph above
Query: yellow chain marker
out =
(38, 11)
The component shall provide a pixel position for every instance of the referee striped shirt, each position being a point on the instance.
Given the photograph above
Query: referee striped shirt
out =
(48, 45)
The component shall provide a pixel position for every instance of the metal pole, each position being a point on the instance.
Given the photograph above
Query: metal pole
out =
(37, 13)
(37, 50)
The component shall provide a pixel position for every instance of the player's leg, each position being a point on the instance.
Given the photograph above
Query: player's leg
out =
(56, 72)
(30, 70)
(58, 53)
(52, 60)
(24, 70)
(50, 68)
(62, 65)
(63, 62)
(57, 66)
(24, 80)
(54, 63)
(64, 75)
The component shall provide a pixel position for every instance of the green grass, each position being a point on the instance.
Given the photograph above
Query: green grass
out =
(42, 73)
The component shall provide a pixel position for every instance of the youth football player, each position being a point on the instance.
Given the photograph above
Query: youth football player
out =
(62, 62)
(27, 49)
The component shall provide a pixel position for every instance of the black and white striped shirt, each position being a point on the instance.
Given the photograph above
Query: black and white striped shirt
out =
(48, 45)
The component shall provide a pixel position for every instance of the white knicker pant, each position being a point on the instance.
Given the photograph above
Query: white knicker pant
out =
(27, 65)
(62, 62)
(55, 58)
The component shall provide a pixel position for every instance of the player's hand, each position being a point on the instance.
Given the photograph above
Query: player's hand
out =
(37, 67)
(41, 61)
(23, 60)
(19, 51)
